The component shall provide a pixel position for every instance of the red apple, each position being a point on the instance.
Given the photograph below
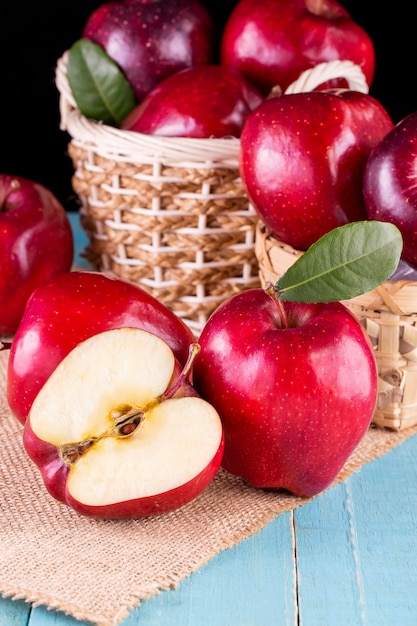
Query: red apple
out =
(303, 157)
(272, 42)
(117, 430)
(36, 244)
(150, 40)
(68, 310)
(295, 392)
(201, 101)
(389, 183)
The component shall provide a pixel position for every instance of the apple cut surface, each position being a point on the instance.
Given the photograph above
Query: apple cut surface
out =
(176, 442)
(114, 436)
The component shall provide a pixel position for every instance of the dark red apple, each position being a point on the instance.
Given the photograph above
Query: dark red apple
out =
(303, 157)
(272, 42)
(36, 244)
(201, 101)
(390, 183)
(151, 39)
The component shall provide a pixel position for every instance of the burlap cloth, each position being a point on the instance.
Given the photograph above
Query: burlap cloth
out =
(98, 570)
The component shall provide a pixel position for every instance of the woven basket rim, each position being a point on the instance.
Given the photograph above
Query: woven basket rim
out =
(112, 142)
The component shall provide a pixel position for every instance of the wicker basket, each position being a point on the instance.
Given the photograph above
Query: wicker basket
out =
(389, 315)
(170, 214)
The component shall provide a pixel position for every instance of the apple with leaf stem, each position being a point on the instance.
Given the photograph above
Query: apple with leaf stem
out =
(202, 101)
(68, 310)
(303, 157)
(151, 40)
(272, 42)
(36, 244)
(290, 369)
(118, 431)
(389, 183)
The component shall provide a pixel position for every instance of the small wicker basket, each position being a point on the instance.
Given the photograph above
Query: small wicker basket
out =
(170, 214)
(389, 315)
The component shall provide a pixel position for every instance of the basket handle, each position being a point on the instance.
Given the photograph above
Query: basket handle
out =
(329, 70)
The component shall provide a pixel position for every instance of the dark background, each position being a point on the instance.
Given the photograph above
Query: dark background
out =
(35, 35)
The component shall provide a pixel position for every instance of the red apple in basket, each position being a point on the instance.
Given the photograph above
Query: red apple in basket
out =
(291, 372)
(68, 310)
(272, 42)
(389, 183)
(201, 101)
(303, 157)
(151, 40)
(36, 244)
(117, 430)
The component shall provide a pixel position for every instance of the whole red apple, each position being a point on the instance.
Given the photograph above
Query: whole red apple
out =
(71, 308)
(295, 392)
(303, 157)
(272, 42)
(36, 244)
(201, 101)
(118, 431)
(150, 40)
(389, 183)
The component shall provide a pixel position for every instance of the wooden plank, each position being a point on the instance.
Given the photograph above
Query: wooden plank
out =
(13, 612)
(385, 526)
(356, 547)
(329, 591)
(251, 584)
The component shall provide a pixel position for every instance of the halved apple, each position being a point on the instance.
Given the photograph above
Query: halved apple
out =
(118, 430)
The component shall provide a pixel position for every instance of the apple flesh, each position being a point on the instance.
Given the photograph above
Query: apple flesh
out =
(302, 160)
(68, 310)
(152, 40)
(202, 101)
(389, 183)
(36, 244)
(117, 433)
(272, 42)
(295, 386)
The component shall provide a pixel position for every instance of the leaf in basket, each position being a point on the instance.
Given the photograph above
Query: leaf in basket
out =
(98, 86)
(346, 262)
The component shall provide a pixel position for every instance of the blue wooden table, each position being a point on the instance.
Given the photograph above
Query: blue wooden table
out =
(347, 558)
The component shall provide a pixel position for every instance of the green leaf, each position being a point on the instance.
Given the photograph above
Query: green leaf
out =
(346, 262)
(99, 87)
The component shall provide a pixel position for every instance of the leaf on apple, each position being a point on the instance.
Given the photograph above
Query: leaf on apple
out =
(345, 262)
(99, 87)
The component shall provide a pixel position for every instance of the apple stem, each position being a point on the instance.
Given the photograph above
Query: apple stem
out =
(193, 350)
(271, 291)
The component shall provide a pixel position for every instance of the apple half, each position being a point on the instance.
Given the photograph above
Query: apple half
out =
(118, 431)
